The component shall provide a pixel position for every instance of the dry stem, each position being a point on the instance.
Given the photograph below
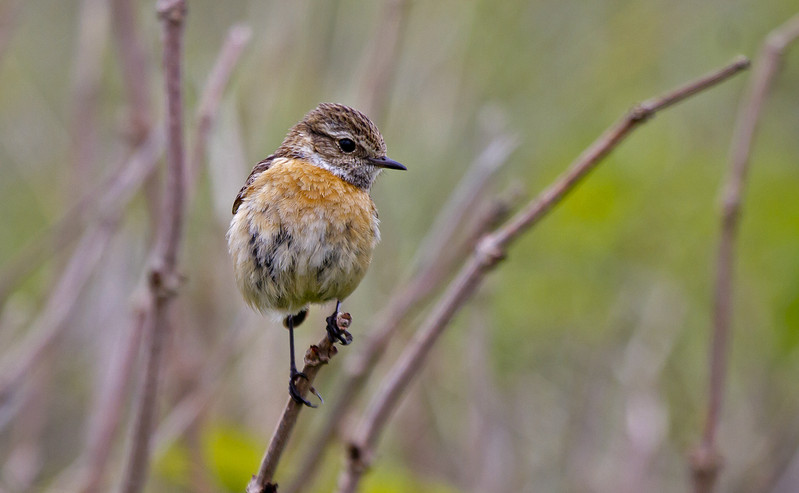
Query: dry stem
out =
(488, 253)
(706, 460)
(163, 278)
(315, 357)
(25, 356)
(237, 38)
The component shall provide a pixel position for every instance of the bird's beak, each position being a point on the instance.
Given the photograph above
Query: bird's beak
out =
(384, 162)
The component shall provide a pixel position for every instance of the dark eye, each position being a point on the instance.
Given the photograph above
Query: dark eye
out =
(347, 145)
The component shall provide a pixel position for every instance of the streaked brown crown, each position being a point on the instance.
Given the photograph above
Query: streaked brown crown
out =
(318, 139)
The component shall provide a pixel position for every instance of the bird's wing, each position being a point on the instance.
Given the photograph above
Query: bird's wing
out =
(257, 170)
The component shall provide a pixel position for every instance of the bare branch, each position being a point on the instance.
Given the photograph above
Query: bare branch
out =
(487, 255)
(88, 470)
(237, 39)
(108, 414)
(382, 61)
(135, 70)
(163, 277)
(93, 34)
(20, 360)
(106, 200)
(706, 460)
(315, 357)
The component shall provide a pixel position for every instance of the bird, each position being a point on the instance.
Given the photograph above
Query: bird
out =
(304, 224)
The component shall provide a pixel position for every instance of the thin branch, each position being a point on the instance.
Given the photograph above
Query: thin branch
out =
(133, 61)
(163, 277)
(706, 460)
(24, 357)
(460, 204)
(382, 61)
(105, 200)
(88, 470)
(135, 69)
(237, 39)
(430, 272)
(489, 252)
(315, 357)
(93, 34)
(187, 411)
(111, 404)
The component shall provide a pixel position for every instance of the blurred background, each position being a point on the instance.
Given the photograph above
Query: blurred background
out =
(581, 363)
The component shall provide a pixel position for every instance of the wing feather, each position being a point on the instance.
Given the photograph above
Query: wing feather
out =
(257, 170)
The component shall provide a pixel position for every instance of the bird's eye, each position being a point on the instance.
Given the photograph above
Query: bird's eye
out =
(347, 145)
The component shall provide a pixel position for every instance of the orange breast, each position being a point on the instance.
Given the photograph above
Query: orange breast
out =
(302, 235)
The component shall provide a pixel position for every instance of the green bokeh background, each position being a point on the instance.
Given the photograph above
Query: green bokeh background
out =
(581, 364)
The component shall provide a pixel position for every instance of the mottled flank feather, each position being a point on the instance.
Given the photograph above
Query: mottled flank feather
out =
(303, 235)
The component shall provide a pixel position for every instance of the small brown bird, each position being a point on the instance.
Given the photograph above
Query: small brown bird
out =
(304, 226)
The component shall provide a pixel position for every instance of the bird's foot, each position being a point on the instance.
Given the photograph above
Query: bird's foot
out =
(336, 333)
(295, 394)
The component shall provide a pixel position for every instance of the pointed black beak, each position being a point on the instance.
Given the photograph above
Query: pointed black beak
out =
(384, 162)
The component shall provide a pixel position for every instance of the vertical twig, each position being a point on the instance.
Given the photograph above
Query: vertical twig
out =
(382, 61)
(706, 460)
(93, 33)
(90, 467)
(163, 277)
(111, 404)
(487, 255)
(135, 70)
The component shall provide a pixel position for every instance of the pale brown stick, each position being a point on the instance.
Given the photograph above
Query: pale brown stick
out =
(315, 357)
(488, 253)
(107, 416)
(163, 277)
(136, 79)
(460, 204)
(706, 460)
(111, 404)
(237, 39)
(20, 360)
(188, 410)
(382, 62)
(104, 201)
(86, 74)
(135, 70)
(430, 272)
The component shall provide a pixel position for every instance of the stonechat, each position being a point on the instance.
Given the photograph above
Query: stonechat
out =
(304, 226)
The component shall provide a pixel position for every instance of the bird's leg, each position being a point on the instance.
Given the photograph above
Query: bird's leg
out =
(293, 373)
(334, 332)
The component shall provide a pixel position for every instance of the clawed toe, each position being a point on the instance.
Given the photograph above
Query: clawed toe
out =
(295, 393)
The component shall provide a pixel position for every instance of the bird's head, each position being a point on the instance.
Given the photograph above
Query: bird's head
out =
(341, 140)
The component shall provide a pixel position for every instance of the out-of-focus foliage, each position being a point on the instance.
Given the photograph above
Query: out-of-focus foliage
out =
(231, 454)
(581, 365)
